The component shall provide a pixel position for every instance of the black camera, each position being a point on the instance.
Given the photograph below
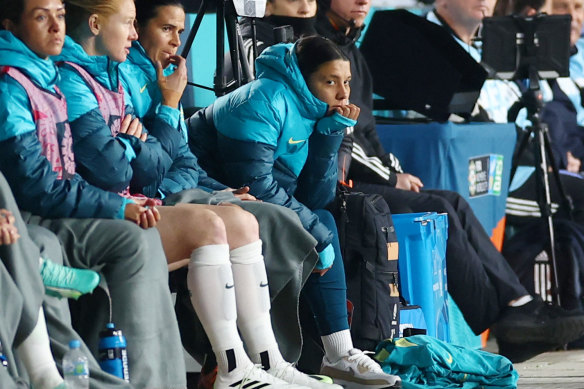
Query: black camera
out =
(513, 45)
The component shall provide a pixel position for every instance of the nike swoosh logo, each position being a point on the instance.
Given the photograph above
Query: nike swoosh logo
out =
(263, 285)
(143, 88)
(227, 286)
(295, 142)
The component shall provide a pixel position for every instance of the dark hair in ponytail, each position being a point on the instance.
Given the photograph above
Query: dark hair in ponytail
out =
(313, 51)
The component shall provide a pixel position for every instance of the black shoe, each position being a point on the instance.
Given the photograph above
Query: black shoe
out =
(539, 322)
(521, 352)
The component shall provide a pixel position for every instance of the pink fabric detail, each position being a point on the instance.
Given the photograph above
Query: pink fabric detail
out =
(111, 105)
(49, 111)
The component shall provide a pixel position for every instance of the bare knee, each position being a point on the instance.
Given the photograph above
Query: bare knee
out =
(204, 227)
(244, 225)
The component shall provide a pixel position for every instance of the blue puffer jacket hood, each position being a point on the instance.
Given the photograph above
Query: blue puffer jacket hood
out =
(279, 63)
(100, 67)
(13, 52)
(139, 57)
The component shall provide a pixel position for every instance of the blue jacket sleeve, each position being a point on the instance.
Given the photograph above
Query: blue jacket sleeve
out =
(100, 157)
(103, 159)
(209, 182)
(318, 180)
(185, 173)
(151, 163)
(252, 164)
(37, 189)
(169, 137)
(29, 173)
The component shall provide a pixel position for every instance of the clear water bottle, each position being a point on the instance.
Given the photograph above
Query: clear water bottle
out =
(75, 367)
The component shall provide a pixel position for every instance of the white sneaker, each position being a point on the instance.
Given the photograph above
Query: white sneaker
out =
(288, 372)
(357, 370)
(252, 377)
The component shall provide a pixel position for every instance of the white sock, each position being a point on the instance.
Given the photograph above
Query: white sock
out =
(35, 354)
(337, 344)
(253, 304)
(520, 301)
(210, 282)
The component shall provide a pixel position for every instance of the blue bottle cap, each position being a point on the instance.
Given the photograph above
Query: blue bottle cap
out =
(110, 326)
(74, 343)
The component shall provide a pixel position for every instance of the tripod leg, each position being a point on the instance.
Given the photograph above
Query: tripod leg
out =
(565, 199)
(234, 48)
(519, 151)
(195, 28)
(546, 202)
(247, 75)
(220, 81)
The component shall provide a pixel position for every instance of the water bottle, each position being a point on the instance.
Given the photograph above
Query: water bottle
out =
(3, 360)
(75, 367)
(113, 357)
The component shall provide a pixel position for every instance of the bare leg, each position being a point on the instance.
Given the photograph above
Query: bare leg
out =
(186, 227)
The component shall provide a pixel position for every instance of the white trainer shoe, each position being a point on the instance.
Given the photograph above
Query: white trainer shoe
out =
(288, 372)
(357, 370)
(252, 377)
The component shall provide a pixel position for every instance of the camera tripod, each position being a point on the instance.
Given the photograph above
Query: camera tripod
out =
(532, 100)
(526, 50)
(226, 19)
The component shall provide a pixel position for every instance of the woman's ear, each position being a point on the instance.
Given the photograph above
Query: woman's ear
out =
(94, 24)
(8, 25)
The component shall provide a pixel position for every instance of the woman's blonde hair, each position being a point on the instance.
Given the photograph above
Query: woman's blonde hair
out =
(78, 11)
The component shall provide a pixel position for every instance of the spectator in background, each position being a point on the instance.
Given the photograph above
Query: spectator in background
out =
(299, 14)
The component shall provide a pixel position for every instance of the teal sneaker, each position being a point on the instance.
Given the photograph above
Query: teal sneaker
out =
(61, 281)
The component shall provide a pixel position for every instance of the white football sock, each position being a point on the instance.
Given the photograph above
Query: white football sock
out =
(210, 282)
(337, 344)
(35, 354)
(253, 304)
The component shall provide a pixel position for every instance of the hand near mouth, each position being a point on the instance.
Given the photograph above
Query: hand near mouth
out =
(172, 86)
(350, 111)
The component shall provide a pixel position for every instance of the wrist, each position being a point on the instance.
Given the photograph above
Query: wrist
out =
(171, 102)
